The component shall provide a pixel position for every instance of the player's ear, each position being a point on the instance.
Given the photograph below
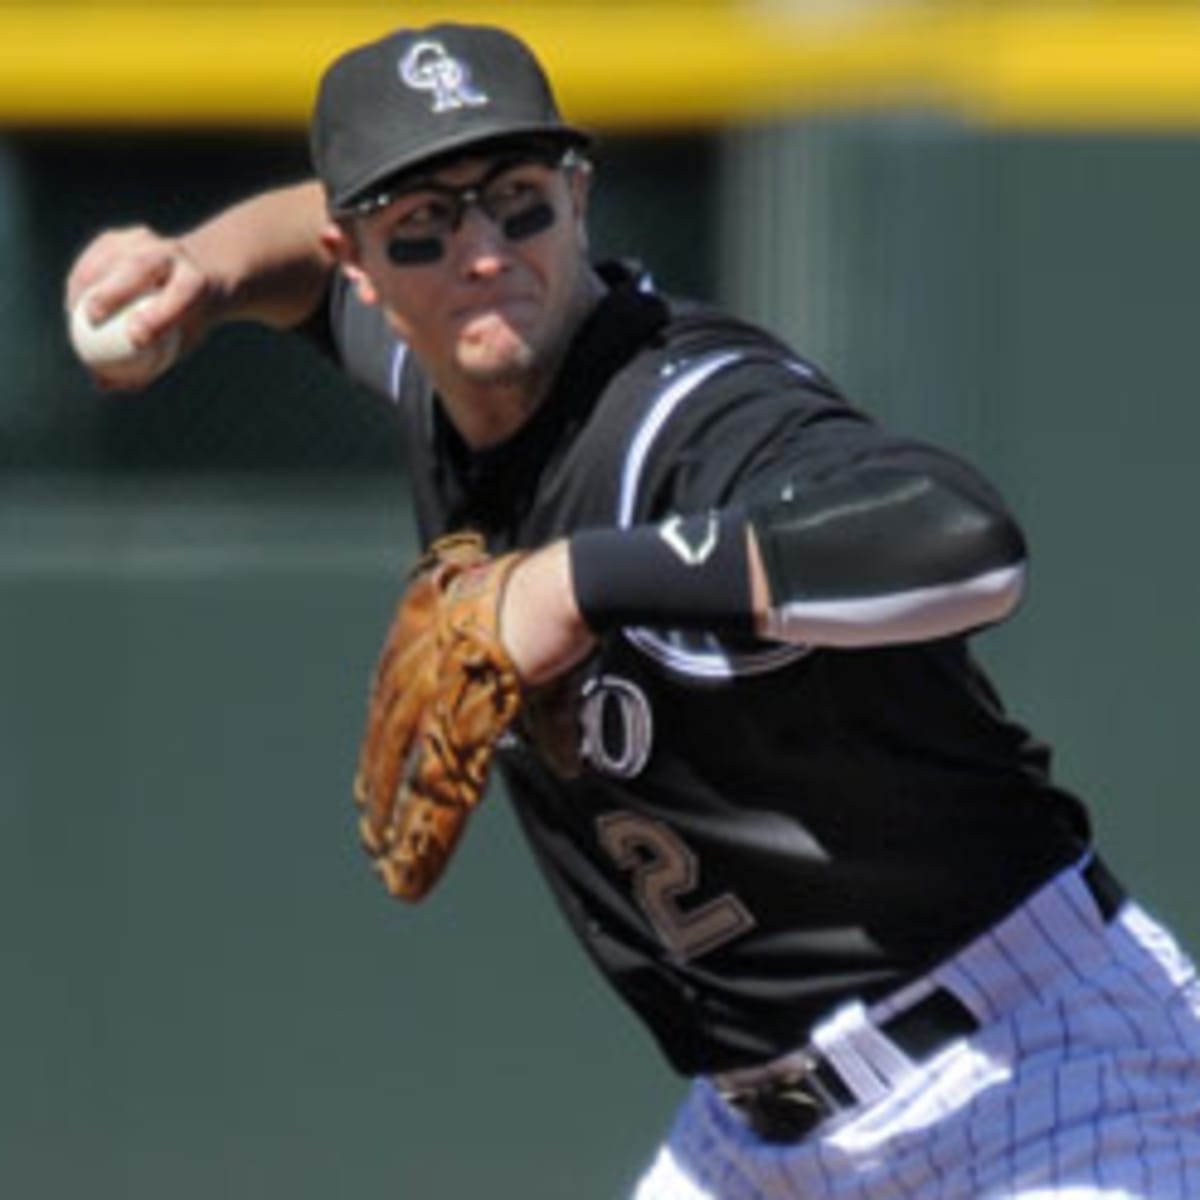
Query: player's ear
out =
(580, 179)
(340, 238)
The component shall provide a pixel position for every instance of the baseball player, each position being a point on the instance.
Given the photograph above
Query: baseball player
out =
(777, 800)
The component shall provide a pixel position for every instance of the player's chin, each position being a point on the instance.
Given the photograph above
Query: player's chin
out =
(504, 356)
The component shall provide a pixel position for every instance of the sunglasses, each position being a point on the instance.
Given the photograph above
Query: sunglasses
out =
(508, 193)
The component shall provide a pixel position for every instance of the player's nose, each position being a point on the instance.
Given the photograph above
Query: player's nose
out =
(482, 250)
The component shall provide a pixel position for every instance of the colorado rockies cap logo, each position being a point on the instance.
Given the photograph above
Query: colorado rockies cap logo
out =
(428, 67)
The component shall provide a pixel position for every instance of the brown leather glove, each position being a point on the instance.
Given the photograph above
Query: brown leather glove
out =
(445, 689)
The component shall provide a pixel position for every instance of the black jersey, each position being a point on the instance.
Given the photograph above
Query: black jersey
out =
(741, 833)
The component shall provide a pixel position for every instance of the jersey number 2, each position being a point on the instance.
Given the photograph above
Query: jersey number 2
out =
(665, 871)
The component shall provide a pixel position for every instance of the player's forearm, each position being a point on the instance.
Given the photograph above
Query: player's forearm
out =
(263, 259)
(540, 622)
(903, 561)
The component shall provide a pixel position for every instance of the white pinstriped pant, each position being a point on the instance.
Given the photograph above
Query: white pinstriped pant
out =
(1083, 1081)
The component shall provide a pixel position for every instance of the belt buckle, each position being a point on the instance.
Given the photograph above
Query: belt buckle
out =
(789, 1105)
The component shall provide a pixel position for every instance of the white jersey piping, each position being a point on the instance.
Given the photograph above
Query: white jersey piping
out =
(671, 648)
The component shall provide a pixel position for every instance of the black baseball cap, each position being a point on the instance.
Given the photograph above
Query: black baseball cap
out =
(418, 95)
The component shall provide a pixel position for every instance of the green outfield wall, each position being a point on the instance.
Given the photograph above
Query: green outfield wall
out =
(205, 995)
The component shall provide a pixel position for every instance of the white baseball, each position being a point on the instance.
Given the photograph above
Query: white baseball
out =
(107, 348)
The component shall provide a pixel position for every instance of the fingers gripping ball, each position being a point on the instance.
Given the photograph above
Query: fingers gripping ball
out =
(445, 689)
(106, 346)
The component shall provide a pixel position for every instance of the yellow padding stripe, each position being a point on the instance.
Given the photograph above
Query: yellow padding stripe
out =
(619, 64)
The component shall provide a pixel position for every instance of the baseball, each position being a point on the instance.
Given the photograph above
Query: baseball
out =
(106, 347)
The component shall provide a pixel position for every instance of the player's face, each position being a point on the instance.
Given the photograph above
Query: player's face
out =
(480, 268)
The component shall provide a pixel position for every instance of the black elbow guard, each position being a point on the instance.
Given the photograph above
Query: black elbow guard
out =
(880, 533)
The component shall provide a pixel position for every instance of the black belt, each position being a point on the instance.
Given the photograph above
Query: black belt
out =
(789, 1104)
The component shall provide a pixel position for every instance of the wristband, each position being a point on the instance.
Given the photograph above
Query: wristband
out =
(685, 573)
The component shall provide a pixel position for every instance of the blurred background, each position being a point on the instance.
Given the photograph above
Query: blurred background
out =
(978, 217)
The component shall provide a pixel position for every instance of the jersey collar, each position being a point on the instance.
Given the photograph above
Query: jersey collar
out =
(491, 489)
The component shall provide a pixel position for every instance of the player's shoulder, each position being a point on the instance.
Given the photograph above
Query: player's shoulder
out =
(358, 338)
(709, 398)
(701, 339)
